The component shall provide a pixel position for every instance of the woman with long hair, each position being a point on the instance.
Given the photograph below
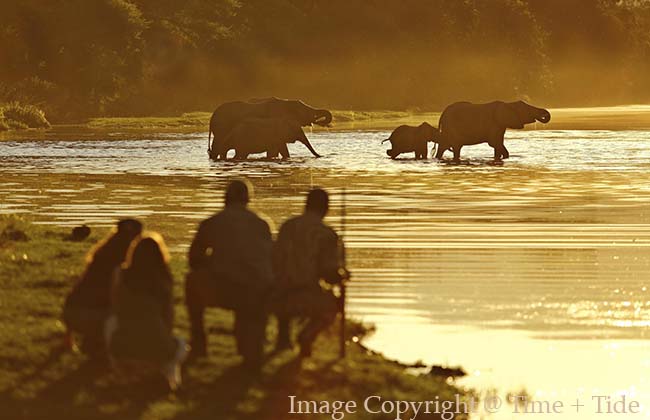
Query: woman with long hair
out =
(143, 315)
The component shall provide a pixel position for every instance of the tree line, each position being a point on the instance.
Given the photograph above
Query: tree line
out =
(80, 58)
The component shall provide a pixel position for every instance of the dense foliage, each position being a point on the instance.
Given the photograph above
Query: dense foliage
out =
(78, 58)
(17, 116)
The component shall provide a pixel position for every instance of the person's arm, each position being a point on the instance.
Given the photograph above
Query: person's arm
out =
(116, 280)
(330, 259)
(197, 256)
(268, 250)
(168, 305)
(280, 257)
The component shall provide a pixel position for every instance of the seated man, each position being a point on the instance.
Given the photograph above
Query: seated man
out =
(307, 251)
(231, 267)
(88, 305)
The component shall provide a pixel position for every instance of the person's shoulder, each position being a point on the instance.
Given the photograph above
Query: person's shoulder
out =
(292, 221)
(328, 231)
(215, 217)
(261, 220)
(329, 228)
(211, 221)
(203, 224)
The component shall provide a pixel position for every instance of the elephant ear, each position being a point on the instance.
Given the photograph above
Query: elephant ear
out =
(292, 126)
(507, 116)
(292, 130)
(437, 136)
(285, 126)
(426, 130)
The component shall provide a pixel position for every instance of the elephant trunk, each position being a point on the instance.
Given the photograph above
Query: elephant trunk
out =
(544, 116)
(322, 117)
(307, 144)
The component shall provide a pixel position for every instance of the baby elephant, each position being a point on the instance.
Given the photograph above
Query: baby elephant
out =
(270, 135)
(407, 138)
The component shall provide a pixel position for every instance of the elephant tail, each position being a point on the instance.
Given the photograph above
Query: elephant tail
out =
(209, 144)
(385, 140)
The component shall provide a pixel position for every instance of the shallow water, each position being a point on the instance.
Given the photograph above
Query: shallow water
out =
(532, 274)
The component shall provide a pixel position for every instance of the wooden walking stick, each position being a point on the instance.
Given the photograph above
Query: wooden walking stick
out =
(343, 272)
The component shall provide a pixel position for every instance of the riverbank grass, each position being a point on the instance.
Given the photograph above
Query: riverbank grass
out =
(624, 117)
(188, 120)
(199, 121)
(41, 379)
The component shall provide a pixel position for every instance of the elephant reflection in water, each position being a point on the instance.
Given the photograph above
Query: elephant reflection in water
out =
(258, 135)
(464, 123)
(229, 115)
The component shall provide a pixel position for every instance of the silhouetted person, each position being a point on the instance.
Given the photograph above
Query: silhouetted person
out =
(87, 306)
(231, 267)
(307, 251)
(143, 310)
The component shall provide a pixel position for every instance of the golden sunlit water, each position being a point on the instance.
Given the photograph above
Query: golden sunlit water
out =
(532, 275)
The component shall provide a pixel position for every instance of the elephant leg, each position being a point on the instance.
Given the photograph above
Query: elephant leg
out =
(240, 155)
(504, 152)
(457, 153)
(215, 152)
(284, 152)
(500, 151)
(421, 152)
(222, 154)
(392, 153)
(497, 153)
(441, 150)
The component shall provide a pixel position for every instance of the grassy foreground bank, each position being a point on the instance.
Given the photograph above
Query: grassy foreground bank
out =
(39, 379)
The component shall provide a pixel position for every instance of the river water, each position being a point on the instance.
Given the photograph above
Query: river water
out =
(532, 275)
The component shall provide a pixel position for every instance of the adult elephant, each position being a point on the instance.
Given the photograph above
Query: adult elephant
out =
(465, 123)
(258, 135)
(228, 115)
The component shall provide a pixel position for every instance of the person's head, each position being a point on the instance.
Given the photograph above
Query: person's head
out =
(238, 192)
(147, 262)
(148, 250)
(129, 228)
(112, 250)
(317, 202)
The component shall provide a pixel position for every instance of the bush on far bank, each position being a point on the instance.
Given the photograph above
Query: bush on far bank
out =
(16, 116)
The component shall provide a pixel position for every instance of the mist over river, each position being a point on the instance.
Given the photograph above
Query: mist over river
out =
(546, 257)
